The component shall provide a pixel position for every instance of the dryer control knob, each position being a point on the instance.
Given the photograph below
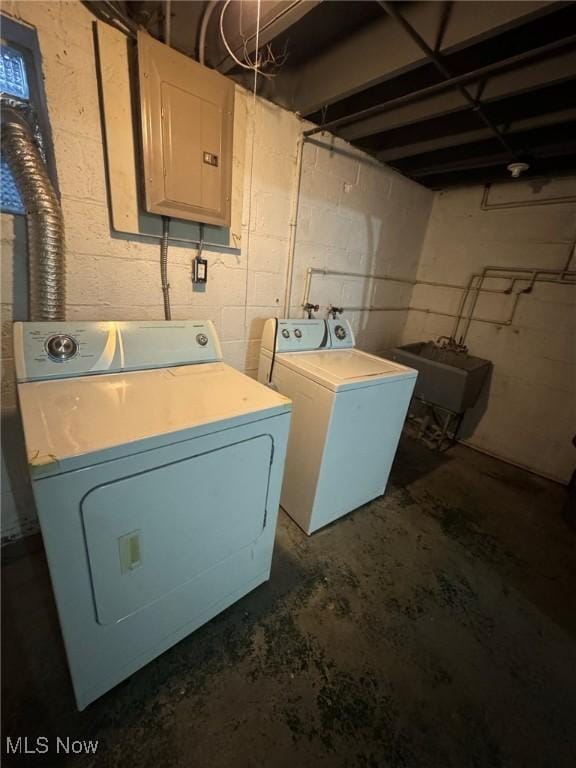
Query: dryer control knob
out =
(298, 333)
(61, 347)
(202, 339)
(286, 333)
(340, 332)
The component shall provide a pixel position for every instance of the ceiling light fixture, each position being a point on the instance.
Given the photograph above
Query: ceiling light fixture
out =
(517, 168)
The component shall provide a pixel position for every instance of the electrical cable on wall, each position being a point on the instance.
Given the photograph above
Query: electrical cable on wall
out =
(254, 102)
(271, 371)
(259, 62)
(200, 265)
(251, 65)
(164, 267)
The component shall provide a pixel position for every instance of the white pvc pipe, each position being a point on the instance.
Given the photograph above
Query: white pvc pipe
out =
(293, 223)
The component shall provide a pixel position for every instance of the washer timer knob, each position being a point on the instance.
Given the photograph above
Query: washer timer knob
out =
(286, 333)
(298, 333)
(340, 332)
(61, 347)
(202, 339)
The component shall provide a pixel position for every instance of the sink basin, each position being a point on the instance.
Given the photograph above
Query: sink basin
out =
(448, 379)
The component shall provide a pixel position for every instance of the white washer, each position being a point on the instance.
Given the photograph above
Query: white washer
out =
(348, 411)
(156, 471)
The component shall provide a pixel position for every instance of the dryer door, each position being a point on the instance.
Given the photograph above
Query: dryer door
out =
(150, 533)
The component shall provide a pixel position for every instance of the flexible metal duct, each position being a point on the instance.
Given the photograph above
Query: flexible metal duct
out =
(164, 267)
(46, 290)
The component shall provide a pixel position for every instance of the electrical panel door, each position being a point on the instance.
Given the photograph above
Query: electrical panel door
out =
(187, 113)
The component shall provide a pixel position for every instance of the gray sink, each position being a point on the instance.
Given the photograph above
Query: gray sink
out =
(449, 379)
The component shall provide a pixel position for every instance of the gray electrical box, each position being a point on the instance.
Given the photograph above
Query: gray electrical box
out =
(187, 113)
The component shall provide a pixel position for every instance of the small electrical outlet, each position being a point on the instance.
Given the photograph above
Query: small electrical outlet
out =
(200, 270)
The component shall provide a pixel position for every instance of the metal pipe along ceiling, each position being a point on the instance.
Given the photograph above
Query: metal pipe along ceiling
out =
(46, 267)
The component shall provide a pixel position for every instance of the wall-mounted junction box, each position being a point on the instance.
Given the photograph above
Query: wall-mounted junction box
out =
(187, 114)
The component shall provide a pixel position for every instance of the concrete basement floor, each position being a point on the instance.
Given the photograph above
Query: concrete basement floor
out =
(435, 626)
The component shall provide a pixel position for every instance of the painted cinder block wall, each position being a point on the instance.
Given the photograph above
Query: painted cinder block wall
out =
(352, 215)
(530, 415)
(357, 216)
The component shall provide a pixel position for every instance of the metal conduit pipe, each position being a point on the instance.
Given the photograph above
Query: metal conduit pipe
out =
(530, 270)
(462, 305)
(46, 268)
(164, 267)
(553, 276)
(564, 274)
(535, 277)
(486, 206)
(311, 271)
(204, 28)
(465, 295)
(293, 224)
(167, 21)
(571, 255)
(488, 320)
(391, 278)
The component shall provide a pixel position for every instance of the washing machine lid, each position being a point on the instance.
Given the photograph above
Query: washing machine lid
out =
(77, 422)
(343, 369)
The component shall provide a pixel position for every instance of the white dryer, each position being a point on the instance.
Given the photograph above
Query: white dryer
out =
(156, 471)
(348, 411)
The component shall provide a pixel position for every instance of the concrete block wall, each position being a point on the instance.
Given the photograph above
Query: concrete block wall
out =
(352, 213)
(357, 216)
(530, 415)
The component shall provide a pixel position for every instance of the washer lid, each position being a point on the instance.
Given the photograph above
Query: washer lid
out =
(341, 369)
(77, 422)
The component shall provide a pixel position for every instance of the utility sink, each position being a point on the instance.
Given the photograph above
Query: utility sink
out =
(446, 378)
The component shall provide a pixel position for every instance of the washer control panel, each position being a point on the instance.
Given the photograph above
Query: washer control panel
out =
(341, 334)
(294, 335)
(53, 350)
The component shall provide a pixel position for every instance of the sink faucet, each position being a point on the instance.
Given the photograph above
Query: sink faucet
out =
(309, 309)
(450, 343)
(333, 311)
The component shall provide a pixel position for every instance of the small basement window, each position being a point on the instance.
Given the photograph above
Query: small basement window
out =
(21, 76)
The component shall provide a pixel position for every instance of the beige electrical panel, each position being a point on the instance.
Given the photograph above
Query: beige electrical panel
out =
(187, 113)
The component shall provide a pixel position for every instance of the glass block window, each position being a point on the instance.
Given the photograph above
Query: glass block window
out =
(10, 196)
(13, 80)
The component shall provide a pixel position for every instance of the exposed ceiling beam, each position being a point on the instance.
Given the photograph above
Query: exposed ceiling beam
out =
(528, 77)
(484, 161)
(439, 62)
(378, 51)
(487, 159)
(561, 165)
(401, 152)
(477, 75)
